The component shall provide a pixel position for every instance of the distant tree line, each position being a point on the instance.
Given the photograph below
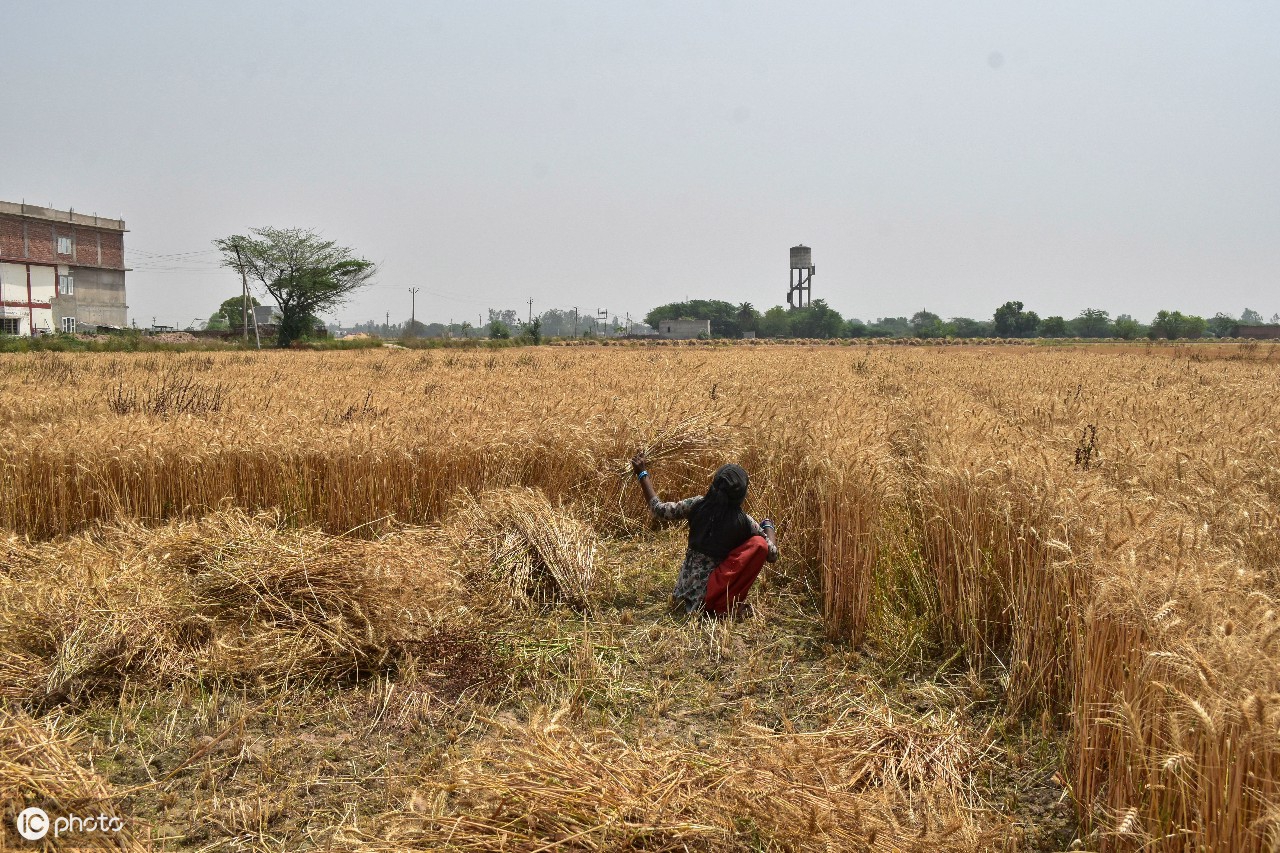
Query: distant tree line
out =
(819, 320)
(501, 324)
(1010, 320)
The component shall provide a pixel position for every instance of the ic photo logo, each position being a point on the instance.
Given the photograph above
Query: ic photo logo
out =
(34, 824)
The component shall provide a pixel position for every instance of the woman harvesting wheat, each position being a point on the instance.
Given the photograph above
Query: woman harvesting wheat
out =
(727, 548)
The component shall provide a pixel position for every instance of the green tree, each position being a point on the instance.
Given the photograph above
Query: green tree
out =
(499, 330)
(890, 327)
(556, 323)
(1012, 322)
(748, 317)
(506, 317)
(1127, 328)
(304, 273)
(1223, 325)
(1053, 327)
(966, 327)
(217, 323)
(775, 323)
(818, 320)
(1249, 317)
(533, 330)
(1092, 323)
(232, 311)
(1175, 324)
(855, 328)
(926, 324)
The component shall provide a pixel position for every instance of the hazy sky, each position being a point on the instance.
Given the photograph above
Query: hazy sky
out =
(613, 155)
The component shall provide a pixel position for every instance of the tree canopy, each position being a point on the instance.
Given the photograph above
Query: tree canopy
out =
(1092, 323)
(1223, 325)
(1053, 327)
(1175, 324)
(1012, 322)
(303, 272)
(926, 324)
(233, 308)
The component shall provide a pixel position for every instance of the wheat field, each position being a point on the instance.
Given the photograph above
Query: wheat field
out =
(397, 599)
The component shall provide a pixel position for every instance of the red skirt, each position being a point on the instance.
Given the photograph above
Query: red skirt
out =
(732, 579)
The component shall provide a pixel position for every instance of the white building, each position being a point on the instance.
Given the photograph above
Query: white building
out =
(684, 329)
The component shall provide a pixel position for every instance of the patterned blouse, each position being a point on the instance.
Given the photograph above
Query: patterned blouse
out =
(691, 584)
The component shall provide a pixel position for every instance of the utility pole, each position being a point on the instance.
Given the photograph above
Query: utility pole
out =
(257, 337)
(413, 310)
(575, 321)
(530, 312)
(603, 314)
(386, 326)
(244, 296)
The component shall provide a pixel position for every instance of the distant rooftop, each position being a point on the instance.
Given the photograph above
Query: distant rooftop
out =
(49, 214)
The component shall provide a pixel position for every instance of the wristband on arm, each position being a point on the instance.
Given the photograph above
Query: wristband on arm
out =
(641, 475)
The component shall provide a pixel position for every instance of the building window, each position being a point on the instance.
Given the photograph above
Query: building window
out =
(10, 326)
(66, 285)
(64, 245)
(69, 325)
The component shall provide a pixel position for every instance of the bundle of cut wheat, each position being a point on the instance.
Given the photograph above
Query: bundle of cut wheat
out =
(533, 548)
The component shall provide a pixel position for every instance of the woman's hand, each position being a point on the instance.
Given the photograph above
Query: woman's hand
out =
(640, 463)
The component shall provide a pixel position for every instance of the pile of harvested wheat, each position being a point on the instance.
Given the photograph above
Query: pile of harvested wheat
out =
(542, 786)
(229, 596)
(537, 551)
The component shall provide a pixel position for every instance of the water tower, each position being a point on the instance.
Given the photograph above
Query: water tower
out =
(802, 270)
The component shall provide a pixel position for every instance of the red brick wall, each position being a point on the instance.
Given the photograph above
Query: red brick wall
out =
(112, 250)
(42, 243)
(1264, 332)
(10, 237)
(86, 246)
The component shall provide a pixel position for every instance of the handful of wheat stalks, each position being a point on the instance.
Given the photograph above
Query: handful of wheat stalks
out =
(686, 436)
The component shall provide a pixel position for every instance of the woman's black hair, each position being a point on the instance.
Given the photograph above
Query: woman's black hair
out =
(717, 524)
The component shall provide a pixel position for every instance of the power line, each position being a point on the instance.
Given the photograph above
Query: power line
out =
(145, 253)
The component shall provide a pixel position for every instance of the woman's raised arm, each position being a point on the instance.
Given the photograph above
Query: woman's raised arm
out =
(639, 466)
